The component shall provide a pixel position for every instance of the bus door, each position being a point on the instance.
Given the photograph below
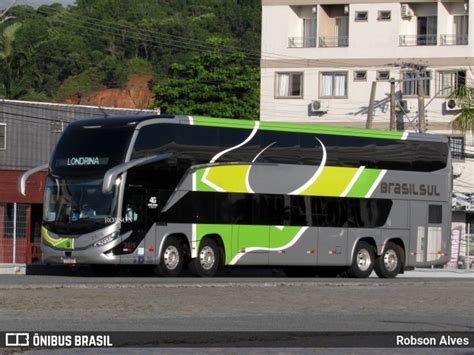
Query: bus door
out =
(418, 217)
(137, 217)
(426, 232)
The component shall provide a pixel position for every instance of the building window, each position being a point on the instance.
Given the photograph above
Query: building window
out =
(384, 15)
(383, 75)
(57, 127)
(410, 82)
(427, 30)
(456, 144)
(360, 75)
(3, 136)
(361, 15)
(289, 85)
(449, 81)
(309, 32)
(334, 85)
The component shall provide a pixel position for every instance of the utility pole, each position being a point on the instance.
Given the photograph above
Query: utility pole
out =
(421, 102)
(392, 106)
(370, 112)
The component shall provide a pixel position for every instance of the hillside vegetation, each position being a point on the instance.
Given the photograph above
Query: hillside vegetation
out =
(202, 54)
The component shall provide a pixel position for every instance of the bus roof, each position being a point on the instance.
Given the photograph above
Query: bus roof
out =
(118, 121)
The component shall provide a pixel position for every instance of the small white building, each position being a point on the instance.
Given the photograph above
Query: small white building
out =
(320, 57)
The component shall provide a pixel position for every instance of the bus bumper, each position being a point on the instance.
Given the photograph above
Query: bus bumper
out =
(71, 257)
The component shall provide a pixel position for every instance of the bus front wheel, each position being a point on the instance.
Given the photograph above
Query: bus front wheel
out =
(389, 264)
(362, 261)
(171, 258)
(208, 259)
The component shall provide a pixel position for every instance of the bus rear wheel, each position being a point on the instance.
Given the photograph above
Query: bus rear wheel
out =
(362, 261)
(208, 259)
(389, 264)
(171, 258)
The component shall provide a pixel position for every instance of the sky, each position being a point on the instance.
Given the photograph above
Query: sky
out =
(34, 3)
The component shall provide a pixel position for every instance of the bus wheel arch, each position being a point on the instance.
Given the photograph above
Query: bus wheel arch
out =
(210, 256)
(362, 258)
(392, 259)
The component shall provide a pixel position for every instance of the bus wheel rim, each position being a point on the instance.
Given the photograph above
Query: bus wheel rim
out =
(207, 258)
(390, 260)
(171, 257)
(363, 260)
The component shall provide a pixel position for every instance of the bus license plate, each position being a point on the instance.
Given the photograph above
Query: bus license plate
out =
(69, 260)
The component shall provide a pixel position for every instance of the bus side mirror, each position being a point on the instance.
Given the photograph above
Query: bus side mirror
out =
(22, 179)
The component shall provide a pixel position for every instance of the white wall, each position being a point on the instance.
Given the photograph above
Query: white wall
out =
(366, 39)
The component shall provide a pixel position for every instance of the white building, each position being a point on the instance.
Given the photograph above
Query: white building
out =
(320, 57)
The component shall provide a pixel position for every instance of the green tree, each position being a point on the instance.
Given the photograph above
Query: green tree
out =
(212, 83)
(7, 57)
(464, 97)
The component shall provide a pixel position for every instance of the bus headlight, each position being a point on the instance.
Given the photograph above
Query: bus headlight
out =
(106, 240)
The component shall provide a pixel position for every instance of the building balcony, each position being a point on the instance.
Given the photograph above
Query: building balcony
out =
(301, 42)
(338, 41)
(418, 40)
(454, 40)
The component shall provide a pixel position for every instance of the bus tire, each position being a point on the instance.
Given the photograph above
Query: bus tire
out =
(362, 261)
(208, 259)
(390, 263)
(102, 270)
(171, 258)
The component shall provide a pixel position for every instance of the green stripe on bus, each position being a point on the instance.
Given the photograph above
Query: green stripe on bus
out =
(364, 183)
(200, 185)
(296, 127)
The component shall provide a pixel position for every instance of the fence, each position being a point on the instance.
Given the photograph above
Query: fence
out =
(19, 235)
(466, 258)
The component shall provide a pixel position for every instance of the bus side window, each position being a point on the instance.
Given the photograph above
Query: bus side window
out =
(271, 210)
(241, 210)
(298, 211)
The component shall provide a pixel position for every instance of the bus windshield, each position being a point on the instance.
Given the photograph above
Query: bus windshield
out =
(77, 206)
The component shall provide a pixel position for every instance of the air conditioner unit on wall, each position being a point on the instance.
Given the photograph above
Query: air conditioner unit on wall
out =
(319, 106)
(452, 105)
(406, 11)
(402, 106)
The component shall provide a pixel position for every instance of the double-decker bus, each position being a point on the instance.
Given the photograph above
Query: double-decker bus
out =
(167, 192)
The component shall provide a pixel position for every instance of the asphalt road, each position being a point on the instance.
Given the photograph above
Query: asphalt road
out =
(76, 302)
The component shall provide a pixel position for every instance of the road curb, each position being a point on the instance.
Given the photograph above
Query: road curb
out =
(12, 269)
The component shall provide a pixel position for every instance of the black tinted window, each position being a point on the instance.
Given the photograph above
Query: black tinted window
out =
(266, 209)
(89, 151)
(435, 214)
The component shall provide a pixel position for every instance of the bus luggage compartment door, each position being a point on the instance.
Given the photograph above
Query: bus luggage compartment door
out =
(293, 245)
(253, 243)
(332, 246)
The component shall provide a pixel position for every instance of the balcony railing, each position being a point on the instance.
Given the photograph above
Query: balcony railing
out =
(301, 42)
(418, 40)
(454, 40)
(338, 41)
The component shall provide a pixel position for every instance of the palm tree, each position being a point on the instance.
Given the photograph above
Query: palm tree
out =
(464, 97)
(7, 54)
